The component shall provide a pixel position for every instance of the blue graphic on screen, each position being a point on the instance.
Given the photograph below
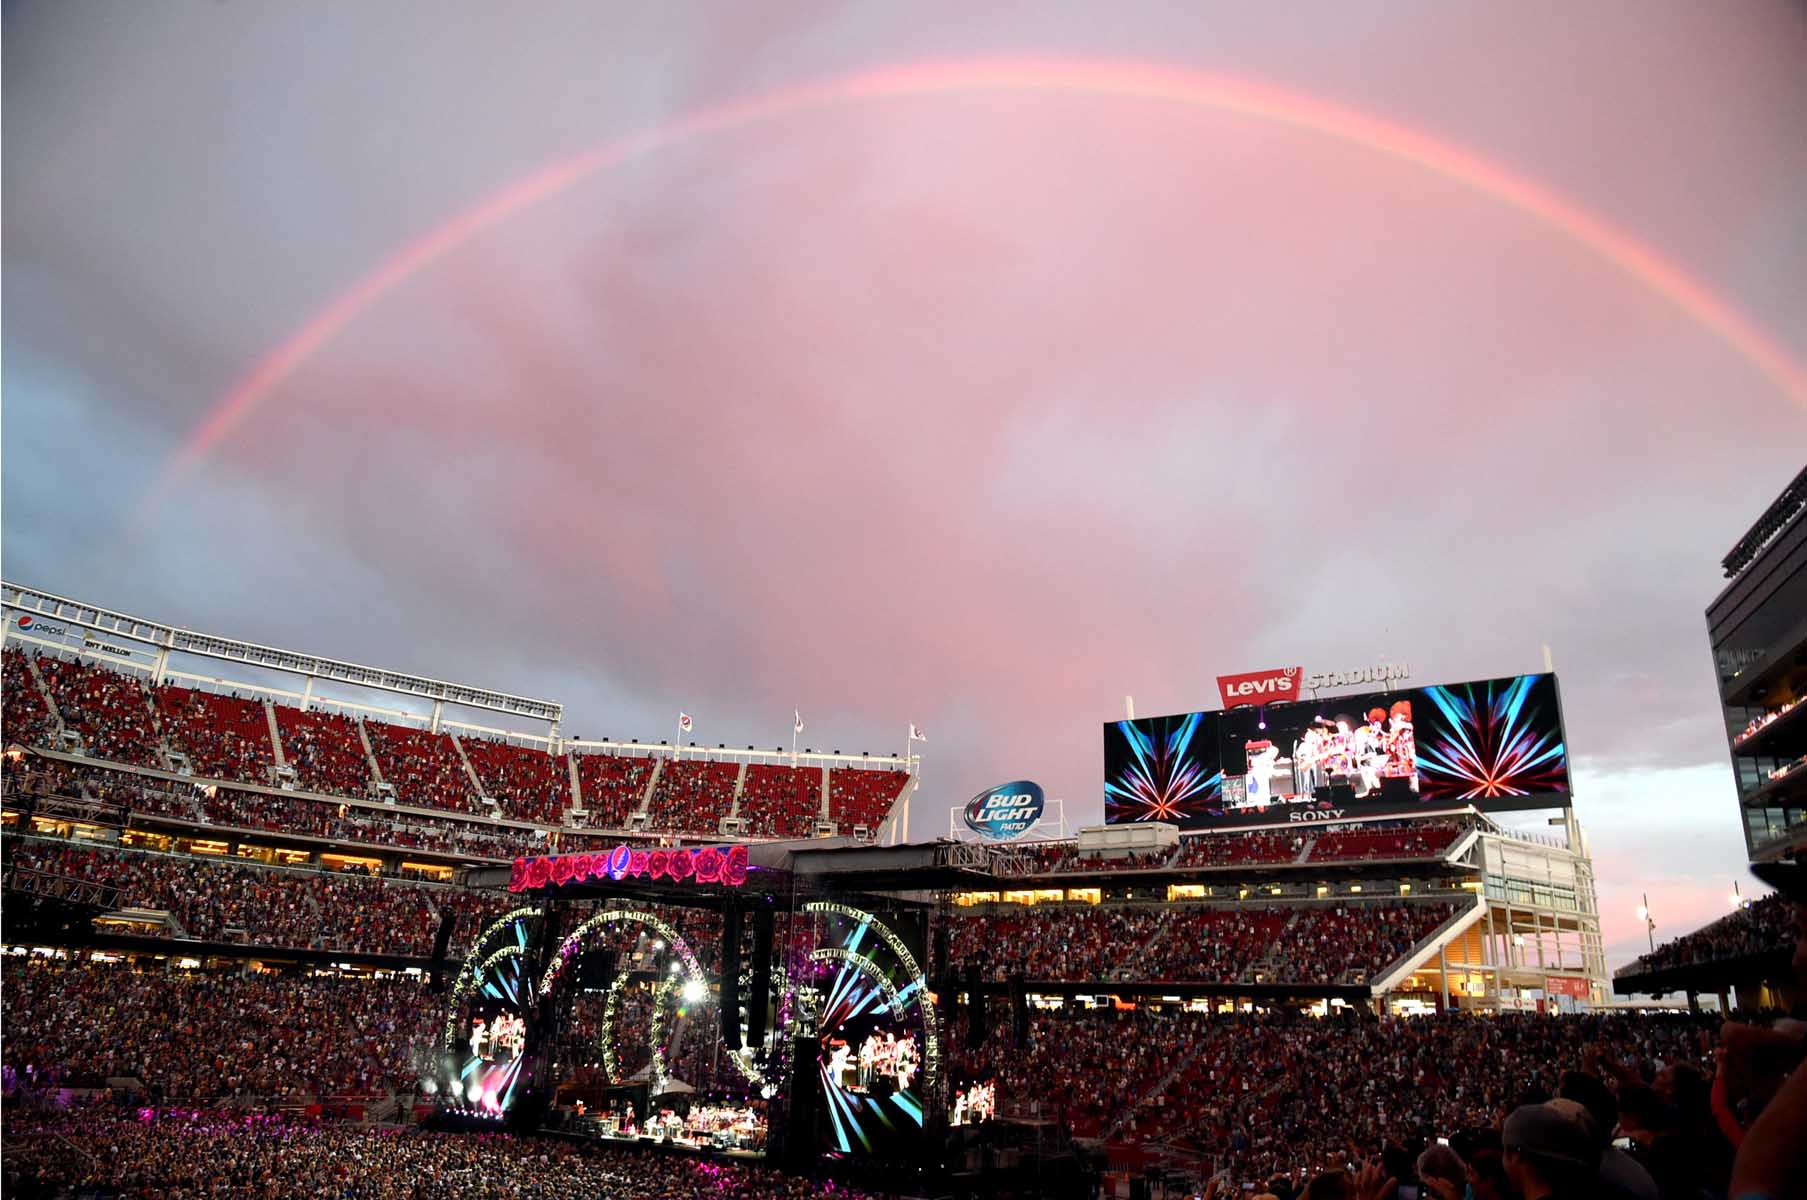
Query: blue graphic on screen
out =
(1497, 739)
(1162, 769)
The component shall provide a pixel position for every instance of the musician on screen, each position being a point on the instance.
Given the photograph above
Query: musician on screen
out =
(1402, 743)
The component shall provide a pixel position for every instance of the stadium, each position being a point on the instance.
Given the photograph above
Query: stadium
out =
(447, 915)
(1281, 456)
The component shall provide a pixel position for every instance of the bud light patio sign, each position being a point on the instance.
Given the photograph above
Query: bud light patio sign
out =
(1006, 811)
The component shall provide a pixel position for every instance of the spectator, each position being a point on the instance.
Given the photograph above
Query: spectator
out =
(1548, 1154)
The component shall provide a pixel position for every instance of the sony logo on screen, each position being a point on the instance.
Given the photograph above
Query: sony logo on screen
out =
(1384, 673)
(1332, 815)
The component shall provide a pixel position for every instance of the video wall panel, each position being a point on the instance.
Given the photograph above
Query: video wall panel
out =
(1494, 743)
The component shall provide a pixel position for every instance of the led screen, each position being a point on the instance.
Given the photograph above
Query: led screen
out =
(974, 1103)
(872, 1040)
(1495, 743)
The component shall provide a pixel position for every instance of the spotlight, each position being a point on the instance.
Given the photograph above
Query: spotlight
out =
(694, 991)
(474, 1092)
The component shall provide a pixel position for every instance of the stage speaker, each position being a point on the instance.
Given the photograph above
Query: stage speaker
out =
(977, 1027)
(940, 970)
(759, 1000)
(447, 921)
(1019, 1012)
(802, 1111)
(1397, 789)
(729, 1006)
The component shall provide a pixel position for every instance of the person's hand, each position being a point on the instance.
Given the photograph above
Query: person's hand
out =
(1371, 1185)
(1754, 1061)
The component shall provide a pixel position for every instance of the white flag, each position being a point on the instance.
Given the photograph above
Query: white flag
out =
(917, 735)
(798, 727)
(684, 721)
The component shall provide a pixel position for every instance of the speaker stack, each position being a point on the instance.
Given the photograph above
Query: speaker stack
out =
(729, 1008)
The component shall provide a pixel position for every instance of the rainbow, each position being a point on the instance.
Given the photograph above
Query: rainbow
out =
(1068, 77)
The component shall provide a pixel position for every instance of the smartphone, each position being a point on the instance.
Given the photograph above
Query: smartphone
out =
(1622, 1143)
(1443, 1141)
(1408, 1191)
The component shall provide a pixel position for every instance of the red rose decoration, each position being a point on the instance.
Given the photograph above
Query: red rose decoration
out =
(517, 878)
(708, 865)
(538, 872)
(657, 862)
(562, 867)
(734, 869)
(637, 863)
(680, 864)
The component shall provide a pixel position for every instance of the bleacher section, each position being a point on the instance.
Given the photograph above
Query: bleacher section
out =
(1347, 944)
(223, 737)
(110, 711)
(858, 798)
(214, 901)
(692, 796)
(27, 717)
(325, 751)
(612, 785)
(1421, 840)
(779, 801)
(1742, 949)
(422, 767)
(529, 784)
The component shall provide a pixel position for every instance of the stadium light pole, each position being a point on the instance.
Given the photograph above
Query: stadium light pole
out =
(1649, 922)
(1736, 899)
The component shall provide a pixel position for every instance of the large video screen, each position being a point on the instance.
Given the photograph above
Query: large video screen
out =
(872, 1063)
(1495, 743)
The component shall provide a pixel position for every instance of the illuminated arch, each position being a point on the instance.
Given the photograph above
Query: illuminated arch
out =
(923, 999)
(476, 959)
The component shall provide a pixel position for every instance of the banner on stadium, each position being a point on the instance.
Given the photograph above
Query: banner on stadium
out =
(1260, 687)
(1006, 811)
(1565, 985)
(1495, 744)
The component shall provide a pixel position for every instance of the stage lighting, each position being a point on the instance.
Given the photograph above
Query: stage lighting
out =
(694, 991)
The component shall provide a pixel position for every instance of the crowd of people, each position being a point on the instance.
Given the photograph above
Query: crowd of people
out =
(269, 906)
(190, 1156)
(613, 786)
(1284, 1095)
(111, 711)
(223, 737)
(325, 751)
(424, 768)
(527, 784)
(1764, 926)
(27, 717)
(216, 1037)
(692, 795)
(780, 801)
(1345, 943)
(862, 798)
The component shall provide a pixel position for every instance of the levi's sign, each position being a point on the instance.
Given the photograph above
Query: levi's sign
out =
(1005, 811)
(1259, 687)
